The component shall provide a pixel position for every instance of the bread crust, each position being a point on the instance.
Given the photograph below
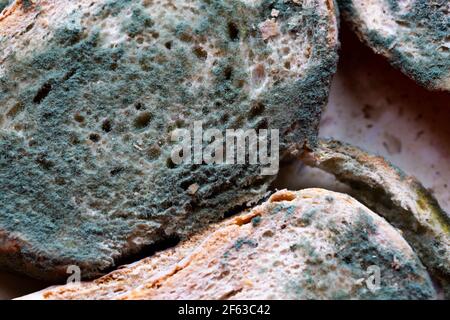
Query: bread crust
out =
(308, 244)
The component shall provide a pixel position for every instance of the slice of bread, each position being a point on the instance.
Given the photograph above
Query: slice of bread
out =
(413, 34)
(310, 244)
(90, 92)
(399, 198)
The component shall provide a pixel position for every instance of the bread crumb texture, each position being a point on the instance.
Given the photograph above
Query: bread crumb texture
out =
(310, 244)
(413, 34)
(90, 92)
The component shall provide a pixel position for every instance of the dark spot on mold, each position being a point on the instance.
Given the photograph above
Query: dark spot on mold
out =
(73, 139)
(200, 53)
(44, 162)
(60, 181)
(142, 120)
(168, 45)
(186, 183)
(262, 124)
(106, 125)
(139, 106)
(78, 118)
(116, 171)
(69, 74)
(42, 93)
(170, 164)
(228, 73)
(256, 109)
(259, 74)
(233, 31)
(94, 137)
(154, 152)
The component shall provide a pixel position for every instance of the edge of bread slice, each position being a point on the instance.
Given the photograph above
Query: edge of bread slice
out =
(412, 34)
(399, 198)
(309, 244)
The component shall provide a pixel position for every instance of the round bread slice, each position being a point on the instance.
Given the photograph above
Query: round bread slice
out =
(399, 198)
(91, 92)
(310, 244)
(413, 34)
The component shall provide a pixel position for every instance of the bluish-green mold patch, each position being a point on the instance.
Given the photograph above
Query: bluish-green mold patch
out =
(86, 176)
(425, 27)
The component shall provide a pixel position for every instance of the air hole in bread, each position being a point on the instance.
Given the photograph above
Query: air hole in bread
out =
(168, 45)
(42, 93)
(78, 118)
(170, 164)
(200, 53)
(233, 31)
(256, 109)
(228, 72)
(106, 125)
(142, 120)
(116, 171)
(94, 137)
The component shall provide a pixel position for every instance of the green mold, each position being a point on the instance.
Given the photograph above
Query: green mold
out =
(86, 177)
(429, 26)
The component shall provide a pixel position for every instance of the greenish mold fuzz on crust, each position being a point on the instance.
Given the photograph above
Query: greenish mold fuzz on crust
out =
(256, 221)
(74, 203)
(429, 26)
(356, 250)
(4, 4)
(424, 225)
(244, 242)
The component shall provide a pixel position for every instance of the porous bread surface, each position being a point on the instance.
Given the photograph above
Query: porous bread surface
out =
(399, 198)
(413, 34)
(310, 244)
(90, 92)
